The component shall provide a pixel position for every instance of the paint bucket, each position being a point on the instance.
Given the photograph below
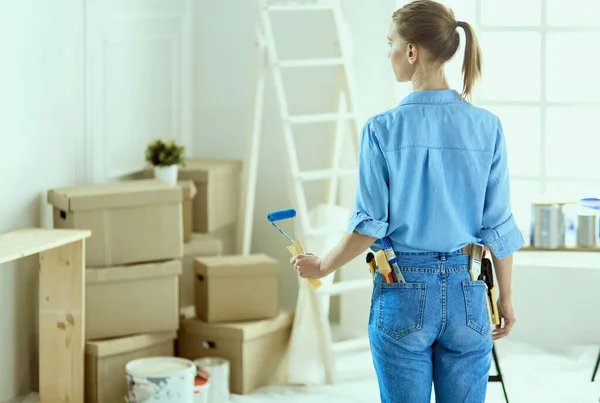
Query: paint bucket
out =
(218, 372)
(160, 380)
(548, 225)
(587, 230)
(202, 387)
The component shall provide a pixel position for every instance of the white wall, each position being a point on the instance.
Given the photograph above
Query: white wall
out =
(83, 90)
(41, 128)
(87, 84)
(138, 84)
(225, 97)
(225, 91)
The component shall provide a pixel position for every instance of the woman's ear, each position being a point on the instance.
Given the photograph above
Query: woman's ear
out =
(411, 53)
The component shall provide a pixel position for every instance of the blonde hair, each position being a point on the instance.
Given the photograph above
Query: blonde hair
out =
(433, 26)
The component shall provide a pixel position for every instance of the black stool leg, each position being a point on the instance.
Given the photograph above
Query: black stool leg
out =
(498, 378)
(596, 367)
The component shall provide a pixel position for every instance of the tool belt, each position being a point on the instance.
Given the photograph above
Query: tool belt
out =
(480, 269)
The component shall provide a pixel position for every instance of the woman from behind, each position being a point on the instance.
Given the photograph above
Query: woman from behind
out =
(433, 179)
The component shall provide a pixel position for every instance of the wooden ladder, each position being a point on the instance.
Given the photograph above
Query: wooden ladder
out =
(313, 231)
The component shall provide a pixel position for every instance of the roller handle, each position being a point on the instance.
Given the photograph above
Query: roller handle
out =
(297, 249)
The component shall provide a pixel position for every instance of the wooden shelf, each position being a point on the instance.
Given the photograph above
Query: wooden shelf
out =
(26, 242)
(573, 249)
(61, 306)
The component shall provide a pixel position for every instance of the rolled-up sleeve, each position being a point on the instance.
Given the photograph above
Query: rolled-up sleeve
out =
(500, 231)
(370, 216)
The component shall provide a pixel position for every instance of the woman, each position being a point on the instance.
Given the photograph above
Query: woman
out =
(433, 178)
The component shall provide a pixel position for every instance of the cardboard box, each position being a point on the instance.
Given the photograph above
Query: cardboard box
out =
(254, 349)
(236, 288)
(131, 221)
(199, 245)
(126, 300)
(105, 362)
(228, 237)
(218, 183)
(189, 193)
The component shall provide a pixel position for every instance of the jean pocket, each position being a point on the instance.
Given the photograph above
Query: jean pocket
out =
(476, 305)
(401, 307)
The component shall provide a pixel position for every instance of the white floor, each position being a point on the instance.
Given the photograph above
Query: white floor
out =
(531, 375)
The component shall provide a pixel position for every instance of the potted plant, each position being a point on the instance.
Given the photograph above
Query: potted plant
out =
(165, 157)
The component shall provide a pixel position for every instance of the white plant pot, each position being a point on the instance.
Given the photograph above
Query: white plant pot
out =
(167, 174)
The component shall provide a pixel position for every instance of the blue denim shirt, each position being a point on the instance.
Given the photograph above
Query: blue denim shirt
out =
(433, 177)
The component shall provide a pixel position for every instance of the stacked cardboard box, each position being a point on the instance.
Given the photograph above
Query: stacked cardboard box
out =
(105, 360)
(238, 318)
(254, 349)
(160, 252)
(235, 297)
(135, 260)
(216, 206)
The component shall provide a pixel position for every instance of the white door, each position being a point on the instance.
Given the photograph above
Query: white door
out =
(138, 81)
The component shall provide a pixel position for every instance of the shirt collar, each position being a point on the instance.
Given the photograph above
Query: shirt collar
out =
(431, 97)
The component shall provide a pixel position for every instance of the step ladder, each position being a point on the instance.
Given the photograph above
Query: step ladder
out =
(313, 231)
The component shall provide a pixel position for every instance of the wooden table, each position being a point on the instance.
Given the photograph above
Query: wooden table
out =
(61, 306)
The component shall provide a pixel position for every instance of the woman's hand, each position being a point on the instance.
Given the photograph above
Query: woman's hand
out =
(507, 312)
(308, 266)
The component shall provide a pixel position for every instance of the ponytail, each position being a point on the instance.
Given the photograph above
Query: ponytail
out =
(471, 68)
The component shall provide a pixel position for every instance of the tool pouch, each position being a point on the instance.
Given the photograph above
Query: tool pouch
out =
(480, 268)
(492, 297)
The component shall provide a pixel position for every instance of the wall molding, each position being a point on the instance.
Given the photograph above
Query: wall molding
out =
(110, 29)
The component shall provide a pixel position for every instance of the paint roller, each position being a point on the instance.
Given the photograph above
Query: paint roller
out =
(296, 247)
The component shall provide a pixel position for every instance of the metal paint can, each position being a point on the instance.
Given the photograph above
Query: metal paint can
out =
(594, 204)
(587, 230)
(218, 371)
(548, 225)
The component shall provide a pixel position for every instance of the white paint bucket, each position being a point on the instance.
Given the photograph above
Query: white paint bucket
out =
(160, 380)
(218, 370)
(202, 387)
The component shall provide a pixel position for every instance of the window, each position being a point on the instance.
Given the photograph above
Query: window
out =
(540, 79)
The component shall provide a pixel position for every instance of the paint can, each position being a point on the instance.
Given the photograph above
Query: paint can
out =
(587, 230)
(548, 225)
(218, 372)
(202, 387)
(160, 380)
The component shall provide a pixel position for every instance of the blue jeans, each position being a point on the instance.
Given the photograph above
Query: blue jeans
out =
(432, 329)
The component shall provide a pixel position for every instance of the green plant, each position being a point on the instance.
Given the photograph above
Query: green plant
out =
(165, 153)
